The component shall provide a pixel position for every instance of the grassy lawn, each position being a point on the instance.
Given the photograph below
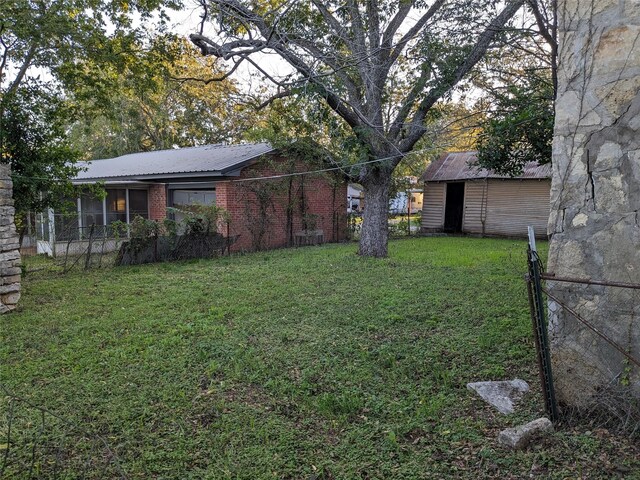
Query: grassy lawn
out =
(296, 364)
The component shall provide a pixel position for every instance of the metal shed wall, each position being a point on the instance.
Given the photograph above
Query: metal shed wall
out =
(433, 207)
(475, 206)
(492, 206)
(512, 205)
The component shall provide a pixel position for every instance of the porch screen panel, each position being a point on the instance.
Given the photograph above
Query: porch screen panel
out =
(116, 205)
(91, 209)
(138, 204)
(66, 220)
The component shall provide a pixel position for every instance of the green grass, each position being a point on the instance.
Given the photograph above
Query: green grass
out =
(306, 363)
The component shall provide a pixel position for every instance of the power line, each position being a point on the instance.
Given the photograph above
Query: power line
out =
(271, 177)
(309, 172)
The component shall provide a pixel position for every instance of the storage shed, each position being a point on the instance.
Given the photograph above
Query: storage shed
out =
(459, 197)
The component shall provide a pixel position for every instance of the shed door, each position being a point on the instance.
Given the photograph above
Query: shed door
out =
(454, 207)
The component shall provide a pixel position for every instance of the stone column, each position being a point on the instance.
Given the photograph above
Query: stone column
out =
(9, 245)
(595, 197)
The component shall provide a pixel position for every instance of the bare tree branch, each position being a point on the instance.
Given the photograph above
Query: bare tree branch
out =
(394, 24)
(416, 129)
(548, 29)
(277, 43)
(207, 81)
(335, 25)
(26, 63)
(273, 98)
(373, 15)
(413, 32)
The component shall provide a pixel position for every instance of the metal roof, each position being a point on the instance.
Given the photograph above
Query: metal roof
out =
(461, 166)
(207, 160)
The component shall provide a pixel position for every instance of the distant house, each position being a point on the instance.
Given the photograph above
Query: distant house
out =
(408, 198)
(271, 202)
(460, 197)
(355, 198)
(404, 201)
(410, 201)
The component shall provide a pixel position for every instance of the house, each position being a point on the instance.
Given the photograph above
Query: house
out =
(406, 200)
(355, 198)
(410, 201)
(273, 199)
(462, 198)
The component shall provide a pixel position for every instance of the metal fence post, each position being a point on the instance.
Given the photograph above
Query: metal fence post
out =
(87, 262)
(536, 305)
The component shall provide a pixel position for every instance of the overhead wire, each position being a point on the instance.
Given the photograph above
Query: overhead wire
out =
(271, 177)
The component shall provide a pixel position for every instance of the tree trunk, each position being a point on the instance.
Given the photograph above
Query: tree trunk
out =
(375, 232)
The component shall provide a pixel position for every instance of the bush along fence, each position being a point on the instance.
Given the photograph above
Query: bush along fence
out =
(617, 405)
(203, 232)
(197, 236)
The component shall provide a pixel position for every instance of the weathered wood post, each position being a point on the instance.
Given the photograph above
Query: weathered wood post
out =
(595, 197)
(9, 245)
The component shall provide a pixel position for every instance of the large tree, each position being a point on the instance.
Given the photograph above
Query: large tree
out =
(172, 106)
(61, 38)
(520, 84)
(72, 45)
(519, 127)
(33, 142)
(381, 66)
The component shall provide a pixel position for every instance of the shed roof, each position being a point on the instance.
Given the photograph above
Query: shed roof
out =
(461, 166)
(207, 160)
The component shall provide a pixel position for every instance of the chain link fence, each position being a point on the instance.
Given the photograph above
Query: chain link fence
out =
(400, 225)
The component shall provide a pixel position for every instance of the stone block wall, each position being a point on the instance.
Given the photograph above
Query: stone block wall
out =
(9, 245)
(595, 197)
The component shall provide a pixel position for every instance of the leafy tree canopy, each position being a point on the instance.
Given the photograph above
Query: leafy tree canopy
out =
(520, 126)
(75, 45)
(520, 85)
(60, 37)
(33, 142)
(176, 105)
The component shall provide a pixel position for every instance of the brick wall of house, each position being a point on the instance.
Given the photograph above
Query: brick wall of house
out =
(325, 198)
(157, 202)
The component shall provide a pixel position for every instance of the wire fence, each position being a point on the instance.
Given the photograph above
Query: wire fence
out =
(68, 246)
(73, 247)
(599, 318)
(77, 248)
(595, 346)
(399, 225)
